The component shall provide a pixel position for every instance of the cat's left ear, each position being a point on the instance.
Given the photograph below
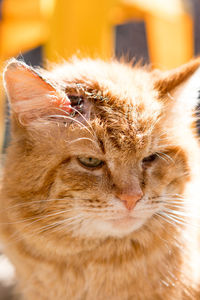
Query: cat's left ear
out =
(180, 84)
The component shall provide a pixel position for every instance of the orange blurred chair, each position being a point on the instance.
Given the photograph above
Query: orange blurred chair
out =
(88, 25)
(23, 26)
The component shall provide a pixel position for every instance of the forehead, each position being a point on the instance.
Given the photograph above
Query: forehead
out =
(122, 97)
(121, 78)
(124, 86)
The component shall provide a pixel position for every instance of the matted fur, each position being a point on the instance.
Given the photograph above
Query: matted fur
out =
(63, 225)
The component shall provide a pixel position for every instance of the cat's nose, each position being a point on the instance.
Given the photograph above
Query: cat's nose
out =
(131, 199)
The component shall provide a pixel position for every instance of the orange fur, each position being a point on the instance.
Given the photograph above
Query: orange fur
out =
(63, 226)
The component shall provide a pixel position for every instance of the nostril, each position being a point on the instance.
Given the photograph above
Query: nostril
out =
(130, 200)
(127, 197)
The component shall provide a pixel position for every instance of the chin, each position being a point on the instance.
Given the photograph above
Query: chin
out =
(118, 227)
(124, 226)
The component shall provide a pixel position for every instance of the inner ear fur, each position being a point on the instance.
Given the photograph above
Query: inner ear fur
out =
(166, 82)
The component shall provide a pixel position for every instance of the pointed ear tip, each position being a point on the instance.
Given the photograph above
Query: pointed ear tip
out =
(13, 64)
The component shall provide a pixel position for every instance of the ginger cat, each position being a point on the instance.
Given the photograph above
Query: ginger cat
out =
(100, 195)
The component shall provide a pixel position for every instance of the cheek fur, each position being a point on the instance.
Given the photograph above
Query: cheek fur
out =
(170, 172)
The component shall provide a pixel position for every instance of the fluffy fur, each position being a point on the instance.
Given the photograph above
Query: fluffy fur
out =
(67, 228)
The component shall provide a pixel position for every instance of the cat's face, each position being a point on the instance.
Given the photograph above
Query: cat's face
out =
(109, 164)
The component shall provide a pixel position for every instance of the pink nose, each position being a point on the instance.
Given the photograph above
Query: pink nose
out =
(130, 200)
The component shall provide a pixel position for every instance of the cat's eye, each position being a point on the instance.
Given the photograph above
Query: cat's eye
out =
(90, 162)
(149, 159)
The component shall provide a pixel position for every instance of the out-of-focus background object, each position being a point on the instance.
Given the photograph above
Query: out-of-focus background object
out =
(162, 32)
(6, 279)
(165, 33)
(88, 26)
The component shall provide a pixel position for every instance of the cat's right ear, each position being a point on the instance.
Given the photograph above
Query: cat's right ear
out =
(30, 95)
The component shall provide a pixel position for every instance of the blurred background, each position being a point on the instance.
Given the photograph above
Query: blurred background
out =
(165, 33)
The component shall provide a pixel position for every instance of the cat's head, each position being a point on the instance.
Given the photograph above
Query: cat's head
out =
(98, 149)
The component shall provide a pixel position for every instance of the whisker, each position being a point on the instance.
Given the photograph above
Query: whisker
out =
(169, 205)
(165, 218)
(83, 138)
(158, 154)
(42, 201)
(35, 231)
(72, 119)
(36, 218)
(177, 213)
(167, 156)
(84, 119)
(177, 220)
(57, 225)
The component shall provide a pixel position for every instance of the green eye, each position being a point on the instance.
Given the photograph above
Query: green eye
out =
(90, 162)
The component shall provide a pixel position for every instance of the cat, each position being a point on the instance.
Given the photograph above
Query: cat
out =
(99, 195)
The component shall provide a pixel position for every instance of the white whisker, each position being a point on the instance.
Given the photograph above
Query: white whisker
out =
(83, 138)
(84, 119)
(72, 119)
